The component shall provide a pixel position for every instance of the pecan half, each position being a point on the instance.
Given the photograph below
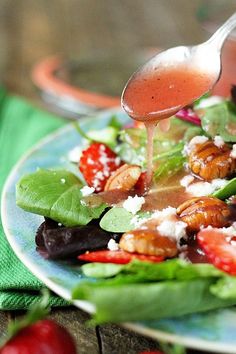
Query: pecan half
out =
(148, 242)
(124, 178)
(204, 211)
(209, 161)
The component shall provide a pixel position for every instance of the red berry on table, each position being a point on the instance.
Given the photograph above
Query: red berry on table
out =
(219, 249)
(42, 337)
(97, 163)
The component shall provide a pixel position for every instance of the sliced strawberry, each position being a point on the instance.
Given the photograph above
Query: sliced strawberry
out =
(218, 249)
(119, 257)
(141, 184)
(97, 163)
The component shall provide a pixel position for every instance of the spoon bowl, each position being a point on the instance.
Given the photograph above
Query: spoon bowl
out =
(175, 78)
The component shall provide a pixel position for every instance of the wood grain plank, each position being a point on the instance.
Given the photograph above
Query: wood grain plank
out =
(75, 321)
(5, 318)
(117, 340)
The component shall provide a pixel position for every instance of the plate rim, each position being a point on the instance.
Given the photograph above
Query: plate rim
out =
(188, 341)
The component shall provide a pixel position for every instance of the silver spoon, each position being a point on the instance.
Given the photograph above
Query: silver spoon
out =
(205, 57)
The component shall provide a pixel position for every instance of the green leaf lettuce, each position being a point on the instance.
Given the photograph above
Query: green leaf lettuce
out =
(55, 194)
(146, 291)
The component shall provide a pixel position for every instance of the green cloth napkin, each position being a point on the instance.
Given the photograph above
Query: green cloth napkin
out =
(21, 126)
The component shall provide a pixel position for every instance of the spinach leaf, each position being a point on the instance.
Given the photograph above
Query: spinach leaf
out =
(115, 122)
(176, 150)
(119, 219)
(55, 194)
(221, 120)
(170, 166)
(107, 135)
(131, 155)
(132, 148)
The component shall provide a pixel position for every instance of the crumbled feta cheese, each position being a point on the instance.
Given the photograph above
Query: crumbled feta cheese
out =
(137, 221)
(106, 173)
(164, 213)
(99, 175)
(113, 245)
(90, 161)
(233, 152)
(230, 231)
(133, 204)
(200, 189)
(104, 159)
(186, 180)
(218, 183)
(209, 101)
(117, 161)
(218, 141)
(63, 181)
(173, 229)
(82, 202)
(199, 139)
(209, 158)
(183, 255)
(96, 183)
(158, 216)
(86, 190)
(75, 154)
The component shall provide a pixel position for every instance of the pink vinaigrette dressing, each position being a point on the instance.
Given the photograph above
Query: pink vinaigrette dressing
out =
(154, 95)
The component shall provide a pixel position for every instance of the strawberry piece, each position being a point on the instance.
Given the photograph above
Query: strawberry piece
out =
(44, 336)
(141, 184)
(218, 249)
(97, 163)
(118, 257)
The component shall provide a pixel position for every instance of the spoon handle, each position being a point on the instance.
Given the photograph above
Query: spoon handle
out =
(218, 38)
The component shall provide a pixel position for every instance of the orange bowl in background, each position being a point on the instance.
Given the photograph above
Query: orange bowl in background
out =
(62, 94)
(84, 86)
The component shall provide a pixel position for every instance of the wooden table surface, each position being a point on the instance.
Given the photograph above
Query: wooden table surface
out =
(31, 30)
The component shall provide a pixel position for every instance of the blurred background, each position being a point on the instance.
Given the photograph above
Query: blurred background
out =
(99, 42)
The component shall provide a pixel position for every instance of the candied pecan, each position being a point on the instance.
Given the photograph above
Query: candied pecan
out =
(148, 242)
(123, 178)
(204, 211)
(209, 161)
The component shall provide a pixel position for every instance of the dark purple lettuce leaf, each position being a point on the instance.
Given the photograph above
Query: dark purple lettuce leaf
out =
(60, 242)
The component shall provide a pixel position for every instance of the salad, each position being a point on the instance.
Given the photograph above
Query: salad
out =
(165, 252)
